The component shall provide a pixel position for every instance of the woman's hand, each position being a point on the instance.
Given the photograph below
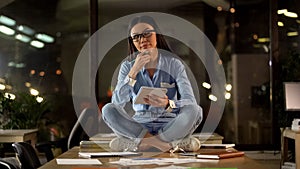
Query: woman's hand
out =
(141, 60)
(157, 101)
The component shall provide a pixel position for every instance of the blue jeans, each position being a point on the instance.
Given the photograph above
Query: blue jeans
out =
(170, 129)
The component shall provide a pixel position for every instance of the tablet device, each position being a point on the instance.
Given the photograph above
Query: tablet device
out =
(144, 91)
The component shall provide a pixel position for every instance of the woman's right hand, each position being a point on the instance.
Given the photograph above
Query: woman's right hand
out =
(141, 60)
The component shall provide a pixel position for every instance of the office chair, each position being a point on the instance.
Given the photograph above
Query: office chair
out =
(4, 164)
(26, 155)
(46, 147)
(86, 125)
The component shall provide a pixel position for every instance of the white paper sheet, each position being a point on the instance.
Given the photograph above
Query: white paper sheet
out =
(63, 161)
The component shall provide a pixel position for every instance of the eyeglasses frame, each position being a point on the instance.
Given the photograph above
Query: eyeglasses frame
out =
(142, 35)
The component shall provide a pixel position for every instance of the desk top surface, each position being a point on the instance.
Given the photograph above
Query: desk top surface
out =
(237, 162)
(16, 132)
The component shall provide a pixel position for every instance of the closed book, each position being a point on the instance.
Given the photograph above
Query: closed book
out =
(220, 154)
(93, 143)
(224, 146)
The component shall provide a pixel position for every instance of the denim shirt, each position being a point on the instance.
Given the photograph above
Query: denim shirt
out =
(170, 73)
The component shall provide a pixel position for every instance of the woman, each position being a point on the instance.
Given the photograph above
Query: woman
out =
(163, 122)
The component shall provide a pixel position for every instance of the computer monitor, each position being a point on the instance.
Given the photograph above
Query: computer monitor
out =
(292, 96)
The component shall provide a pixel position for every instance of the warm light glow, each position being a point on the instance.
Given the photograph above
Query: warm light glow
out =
(232, 10)
(263, 40)
(212, 98)
(39, 99)
(44, 37)
(42, 73)
(281, 11)
(34, 92)
(2, 87)
(290, 14)
(58, 72)
(6, 30)
(206, 85)
(27, 84)
(280, 23)
(228, 87)
(37, 44)
(22, 38)
(7, 21)
(220, 62)
(32, 72)
(255, 36)
(292, 34)
(10, 96)
(8, 87)
(227, 95)
(219, 8)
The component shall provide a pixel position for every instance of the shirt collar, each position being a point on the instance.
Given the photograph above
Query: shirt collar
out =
(158, 66)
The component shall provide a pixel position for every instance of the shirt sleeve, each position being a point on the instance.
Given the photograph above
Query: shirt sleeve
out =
(122, 92)
(184, 86)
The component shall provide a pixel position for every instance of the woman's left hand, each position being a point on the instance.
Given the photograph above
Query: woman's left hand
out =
(157, 101)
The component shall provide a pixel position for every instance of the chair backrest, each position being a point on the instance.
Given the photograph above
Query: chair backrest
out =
(26, 155)
(45, 147)
(6, 165)
(86, 125)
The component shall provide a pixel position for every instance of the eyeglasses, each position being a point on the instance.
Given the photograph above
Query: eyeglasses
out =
(145, 34)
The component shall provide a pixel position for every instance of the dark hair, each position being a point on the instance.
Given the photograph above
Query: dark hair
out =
(161, 42)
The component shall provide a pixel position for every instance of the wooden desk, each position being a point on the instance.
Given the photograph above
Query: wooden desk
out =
(16, 135)
(206, 138)
(290, 134)
(238, 162)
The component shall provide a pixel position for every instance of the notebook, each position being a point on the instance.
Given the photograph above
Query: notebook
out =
(220, 154)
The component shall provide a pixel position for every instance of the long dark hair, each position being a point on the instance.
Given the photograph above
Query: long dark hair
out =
(161, 42)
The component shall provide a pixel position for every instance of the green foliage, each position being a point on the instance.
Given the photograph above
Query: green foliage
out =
(22, 113)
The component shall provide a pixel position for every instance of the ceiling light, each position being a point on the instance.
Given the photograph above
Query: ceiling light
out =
(263, 40)
(20, 65)
(6, 30)
(291, 14)
(292, 34)
(11, 64)
(22, 38)
(280, 23)
(25, 29)
(37, 44)
(282, 11)
(44, 37)
(7, 21)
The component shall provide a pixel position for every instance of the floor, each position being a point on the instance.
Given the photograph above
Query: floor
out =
(270, 159)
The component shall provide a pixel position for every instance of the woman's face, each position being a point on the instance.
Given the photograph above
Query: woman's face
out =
(143, 36)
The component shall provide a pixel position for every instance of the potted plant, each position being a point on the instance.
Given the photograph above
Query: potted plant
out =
(23, 112)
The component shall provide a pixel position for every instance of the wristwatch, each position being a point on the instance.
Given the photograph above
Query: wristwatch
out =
(131, 81)
(171, 105)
